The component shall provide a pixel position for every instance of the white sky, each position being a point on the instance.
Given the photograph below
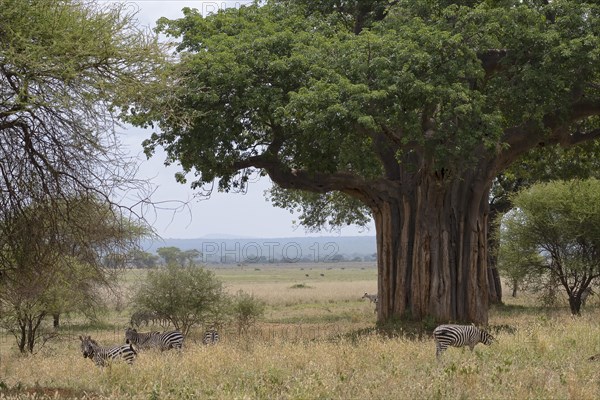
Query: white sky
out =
(224, 214)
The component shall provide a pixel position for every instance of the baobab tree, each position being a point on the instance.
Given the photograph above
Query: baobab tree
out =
(403, 111)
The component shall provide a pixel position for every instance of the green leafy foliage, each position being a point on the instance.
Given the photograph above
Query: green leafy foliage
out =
(60, 86)
(53, 269)
(559, 221)
(174, 255)
(295, 84)
(409, 108)
(186, 296)
(246, 310)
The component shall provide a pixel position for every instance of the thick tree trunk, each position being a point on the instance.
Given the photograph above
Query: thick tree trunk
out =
(494, 282)
(22, 339)
(495, 285)
(432, 252)
(575, 304)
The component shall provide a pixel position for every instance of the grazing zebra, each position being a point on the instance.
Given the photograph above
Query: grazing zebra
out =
(145, 317)
(211, 336)
(141, 340)
(163, 341)
(139, 317)
(458, 336)
(102, 355)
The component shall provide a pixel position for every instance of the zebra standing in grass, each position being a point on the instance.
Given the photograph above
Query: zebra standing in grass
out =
(211, 336)
(102, 355)
(141, 340)
(458, 336)
(139, 317)
(163, 341)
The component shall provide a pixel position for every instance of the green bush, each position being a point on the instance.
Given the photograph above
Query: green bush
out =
(246, 310)
(185, 296)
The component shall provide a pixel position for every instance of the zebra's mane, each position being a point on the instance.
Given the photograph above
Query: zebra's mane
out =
(92, 341)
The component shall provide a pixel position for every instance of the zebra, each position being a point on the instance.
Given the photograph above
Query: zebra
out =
(458, 336)
(141, 340)
(211, 336)
(139, 317)
(102, 355)
(163, 341)
(147, 317)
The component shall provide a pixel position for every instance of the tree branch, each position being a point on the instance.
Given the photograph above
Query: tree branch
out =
(491, 59)
(520, 139)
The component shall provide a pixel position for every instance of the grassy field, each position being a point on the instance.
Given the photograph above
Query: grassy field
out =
(316, 342)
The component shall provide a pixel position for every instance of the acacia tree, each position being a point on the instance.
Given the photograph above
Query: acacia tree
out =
(174, 255)
(48, 272)
(518, 263)
(142, 259)
(561, 222)
(539, 165)
(406, 110)
(185, 296)
(58, 88)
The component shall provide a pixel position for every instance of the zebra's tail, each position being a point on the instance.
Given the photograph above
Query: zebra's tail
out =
(132, 347)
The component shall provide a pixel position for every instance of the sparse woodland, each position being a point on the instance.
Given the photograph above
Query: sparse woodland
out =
(425, 116)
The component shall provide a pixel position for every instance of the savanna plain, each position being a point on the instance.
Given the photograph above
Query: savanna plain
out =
(318, 340)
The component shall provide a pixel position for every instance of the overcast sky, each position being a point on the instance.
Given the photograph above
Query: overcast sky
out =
(224, 214)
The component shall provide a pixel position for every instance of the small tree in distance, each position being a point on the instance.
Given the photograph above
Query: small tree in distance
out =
(185, 296)
(517, 264)
(174, 255)
(246, 310)
(561, 220)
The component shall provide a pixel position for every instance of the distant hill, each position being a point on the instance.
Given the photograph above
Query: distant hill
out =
(248, 250)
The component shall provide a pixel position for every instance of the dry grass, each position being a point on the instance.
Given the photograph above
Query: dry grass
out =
(544, 358)
(276, 294)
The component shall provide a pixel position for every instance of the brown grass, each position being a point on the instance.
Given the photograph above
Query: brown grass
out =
(545, 357)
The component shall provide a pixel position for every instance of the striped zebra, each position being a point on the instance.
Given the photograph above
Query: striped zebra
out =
(102, 355)
(163, 341)
(141, 340)
(211, 336)
(458, 336)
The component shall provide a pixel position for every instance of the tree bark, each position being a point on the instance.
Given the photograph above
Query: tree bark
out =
(494, 282)
(575, 304)
(22, 339)
(432, 251)
(496, 207)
